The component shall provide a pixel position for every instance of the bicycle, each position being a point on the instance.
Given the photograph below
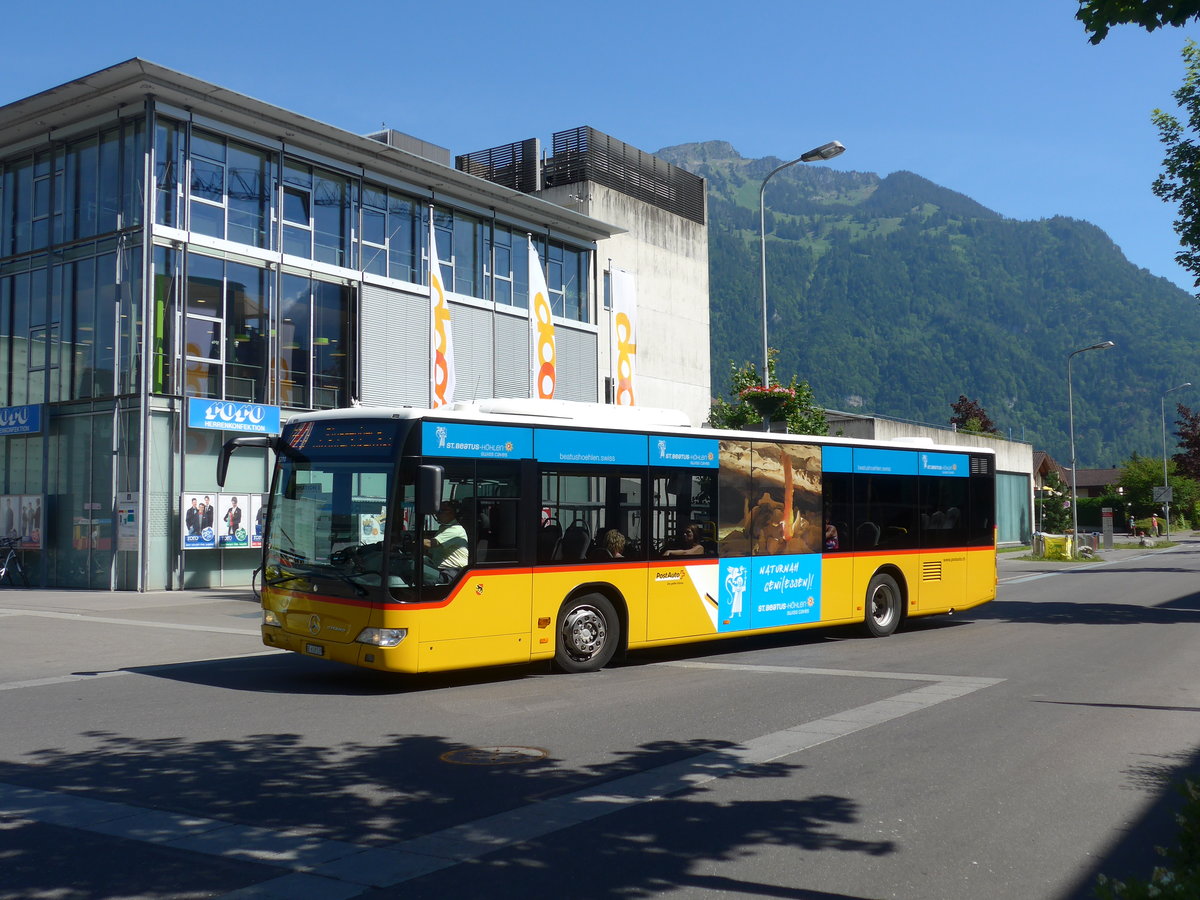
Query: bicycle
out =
(12, 563)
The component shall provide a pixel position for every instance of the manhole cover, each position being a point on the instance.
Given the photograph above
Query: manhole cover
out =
(493, 756)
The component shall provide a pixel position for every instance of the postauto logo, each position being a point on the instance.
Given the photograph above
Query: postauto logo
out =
(225, 415)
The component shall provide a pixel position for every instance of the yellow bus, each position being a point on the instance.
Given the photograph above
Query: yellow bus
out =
(512, 531)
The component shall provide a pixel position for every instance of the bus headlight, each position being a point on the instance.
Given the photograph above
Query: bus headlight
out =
(270, 617)
(382, 637)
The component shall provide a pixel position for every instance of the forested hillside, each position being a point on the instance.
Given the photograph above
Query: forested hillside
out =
(894, 295)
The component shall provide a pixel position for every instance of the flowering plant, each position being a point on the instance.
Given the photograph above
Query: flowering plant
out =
(774, 391)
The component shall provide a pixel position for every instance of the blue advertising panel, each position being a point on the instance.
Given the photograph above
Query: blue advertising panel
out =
(694, 453)
(476, 441)
(769, 592)
(590, 447)
(946, 465)
(885, 462)
(837, 459)
(229, 415)
(21, 419)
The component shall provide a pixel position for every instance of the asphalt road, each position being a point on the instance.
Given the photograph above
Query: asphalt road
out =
(150, 747)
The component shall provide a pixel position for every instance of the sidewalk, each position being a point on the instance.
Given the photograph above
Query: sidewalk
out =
(1011, 564)
(234, 609)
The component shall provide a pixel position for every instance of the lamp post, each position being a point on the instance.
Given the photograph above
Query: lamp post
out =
(1162, 402)
(1103, 345)
(825, 151)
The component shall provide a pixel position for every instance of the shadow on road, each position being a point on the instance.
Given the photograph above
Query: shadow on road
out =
(1178, 611)
(400, 787)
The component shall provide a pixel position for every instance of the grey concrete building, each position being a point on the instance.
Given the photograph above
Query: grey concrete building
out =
(180, 262)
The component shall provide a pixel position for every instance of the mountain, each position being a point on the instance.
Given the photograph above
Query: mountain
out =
(893, 296)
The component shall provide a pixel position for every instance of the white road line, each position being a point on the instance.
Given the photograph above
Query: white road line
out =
(336, 870)
(79, 617)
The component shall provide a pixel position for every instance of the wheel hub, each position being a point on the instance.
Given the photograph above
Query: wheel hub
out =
(584, 632)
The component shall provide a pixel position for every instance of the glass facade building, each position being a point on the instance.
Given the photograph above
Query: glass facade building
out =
(163, 242)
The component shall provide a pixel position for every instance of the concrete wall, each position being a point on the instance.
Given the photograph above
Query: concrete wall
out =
(668, 256)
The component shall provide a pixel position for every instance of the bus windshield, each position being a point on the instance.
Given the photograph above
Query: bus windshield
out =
(329, 509)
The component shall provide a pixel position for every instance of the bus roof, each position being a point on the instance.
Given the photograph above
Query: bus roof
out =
(605, 416)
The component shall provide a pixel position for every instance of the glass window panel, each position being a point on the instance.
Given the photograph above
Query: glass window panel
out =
(163, 318)
(294, 344)
(133, 189)
(296, 206)
(167, 143)
(202, 379)
(248, 327)
(83, 281)
(106, 325)
(208, 219)
(204, 290)
(297, 241)
(403, 244)
(209, 146)
(330, 218)
(249, 195)
(208, 180)
(203, 338)
(297, 174)
(331, 344)
(109, 185)
(374, 225)
(82, 188)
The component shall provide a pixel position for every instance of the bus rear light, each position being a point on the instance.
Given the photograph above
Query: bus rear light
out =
(382, 637)
(270, 617)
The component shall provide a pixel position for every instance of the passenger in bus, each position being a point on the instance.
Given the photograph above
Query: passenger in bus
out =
(688, 543)
(614, 543)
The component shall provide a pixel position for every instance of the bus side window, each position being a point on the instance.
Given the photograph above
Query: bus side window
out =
(838, 503)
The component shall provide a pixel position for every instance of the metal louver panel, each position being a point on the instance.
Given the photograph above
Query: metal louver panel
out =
(395, 347)
(931, 570)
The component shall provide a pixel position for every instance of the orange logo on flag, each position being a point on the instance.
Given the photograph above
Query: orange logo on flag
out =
(441, 363)
(626, 351)
(544, 352)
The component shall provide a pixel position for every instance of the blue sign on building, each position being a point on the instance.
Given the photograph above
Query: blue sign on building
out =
(21, 419)
(228, 415)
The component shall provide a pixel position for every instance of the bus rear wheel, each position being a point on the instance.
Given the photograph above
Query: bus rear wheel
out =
(588, 634)
(885, 605)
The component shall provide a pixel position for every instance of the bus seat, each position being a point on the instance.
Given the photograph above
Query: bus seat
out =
(576, 540)
(548, 540)
(866, 535)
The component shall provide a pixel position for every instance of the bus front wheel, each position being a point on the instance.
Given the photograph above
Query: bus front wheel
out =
(885, 604)
(588, 634)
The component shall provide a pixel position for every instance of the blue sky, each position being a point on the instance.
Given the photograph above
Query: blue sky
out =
(1007, 103)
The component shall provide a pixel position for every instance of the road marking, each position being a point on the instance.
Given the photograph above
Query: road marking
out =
(89, 676)
(142, 623)
(321, 869)
(1022, 579)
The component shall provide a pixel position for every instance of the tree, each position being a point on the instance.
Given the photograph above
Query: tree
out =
(1098, 16)
(1181, 166)
(799, 410)
(1054, 513)
(1187, 461)
(1142, 474)
(970, 417)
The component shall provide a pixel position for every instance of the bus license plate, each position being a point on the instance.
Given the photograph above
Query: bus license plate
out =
(314, 649)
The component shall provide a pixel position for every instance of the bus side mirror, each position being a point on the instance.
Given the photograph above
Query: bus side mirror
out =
(269, 441)
(429, 488)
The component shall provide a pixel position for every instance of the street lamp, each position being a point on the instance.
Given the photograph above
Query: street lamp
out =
(1103, 345)
(825, 151)
(1166, 487)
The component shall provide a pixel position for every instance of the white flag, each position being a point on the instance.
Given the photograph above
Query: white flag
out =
(624, 326)
(441, 378)
(541, 325)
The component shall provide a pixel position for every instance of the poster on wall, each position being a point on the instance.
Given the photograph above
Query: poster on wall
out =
(127, 520)
(198, 514)
(22, 517)
(233, 521)
(258, 516)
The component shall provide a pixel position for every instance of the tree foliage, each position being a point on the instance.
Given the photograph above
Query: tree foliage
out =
(1181, 166)
(1098, 16)
(1142, 474)
(1054, 505)
(800, 411)
(1187, 461)
(970, 417)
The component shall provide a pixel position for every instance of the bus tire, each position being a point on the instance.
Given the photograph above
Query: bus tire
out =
(589, 632)
(884, 606)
